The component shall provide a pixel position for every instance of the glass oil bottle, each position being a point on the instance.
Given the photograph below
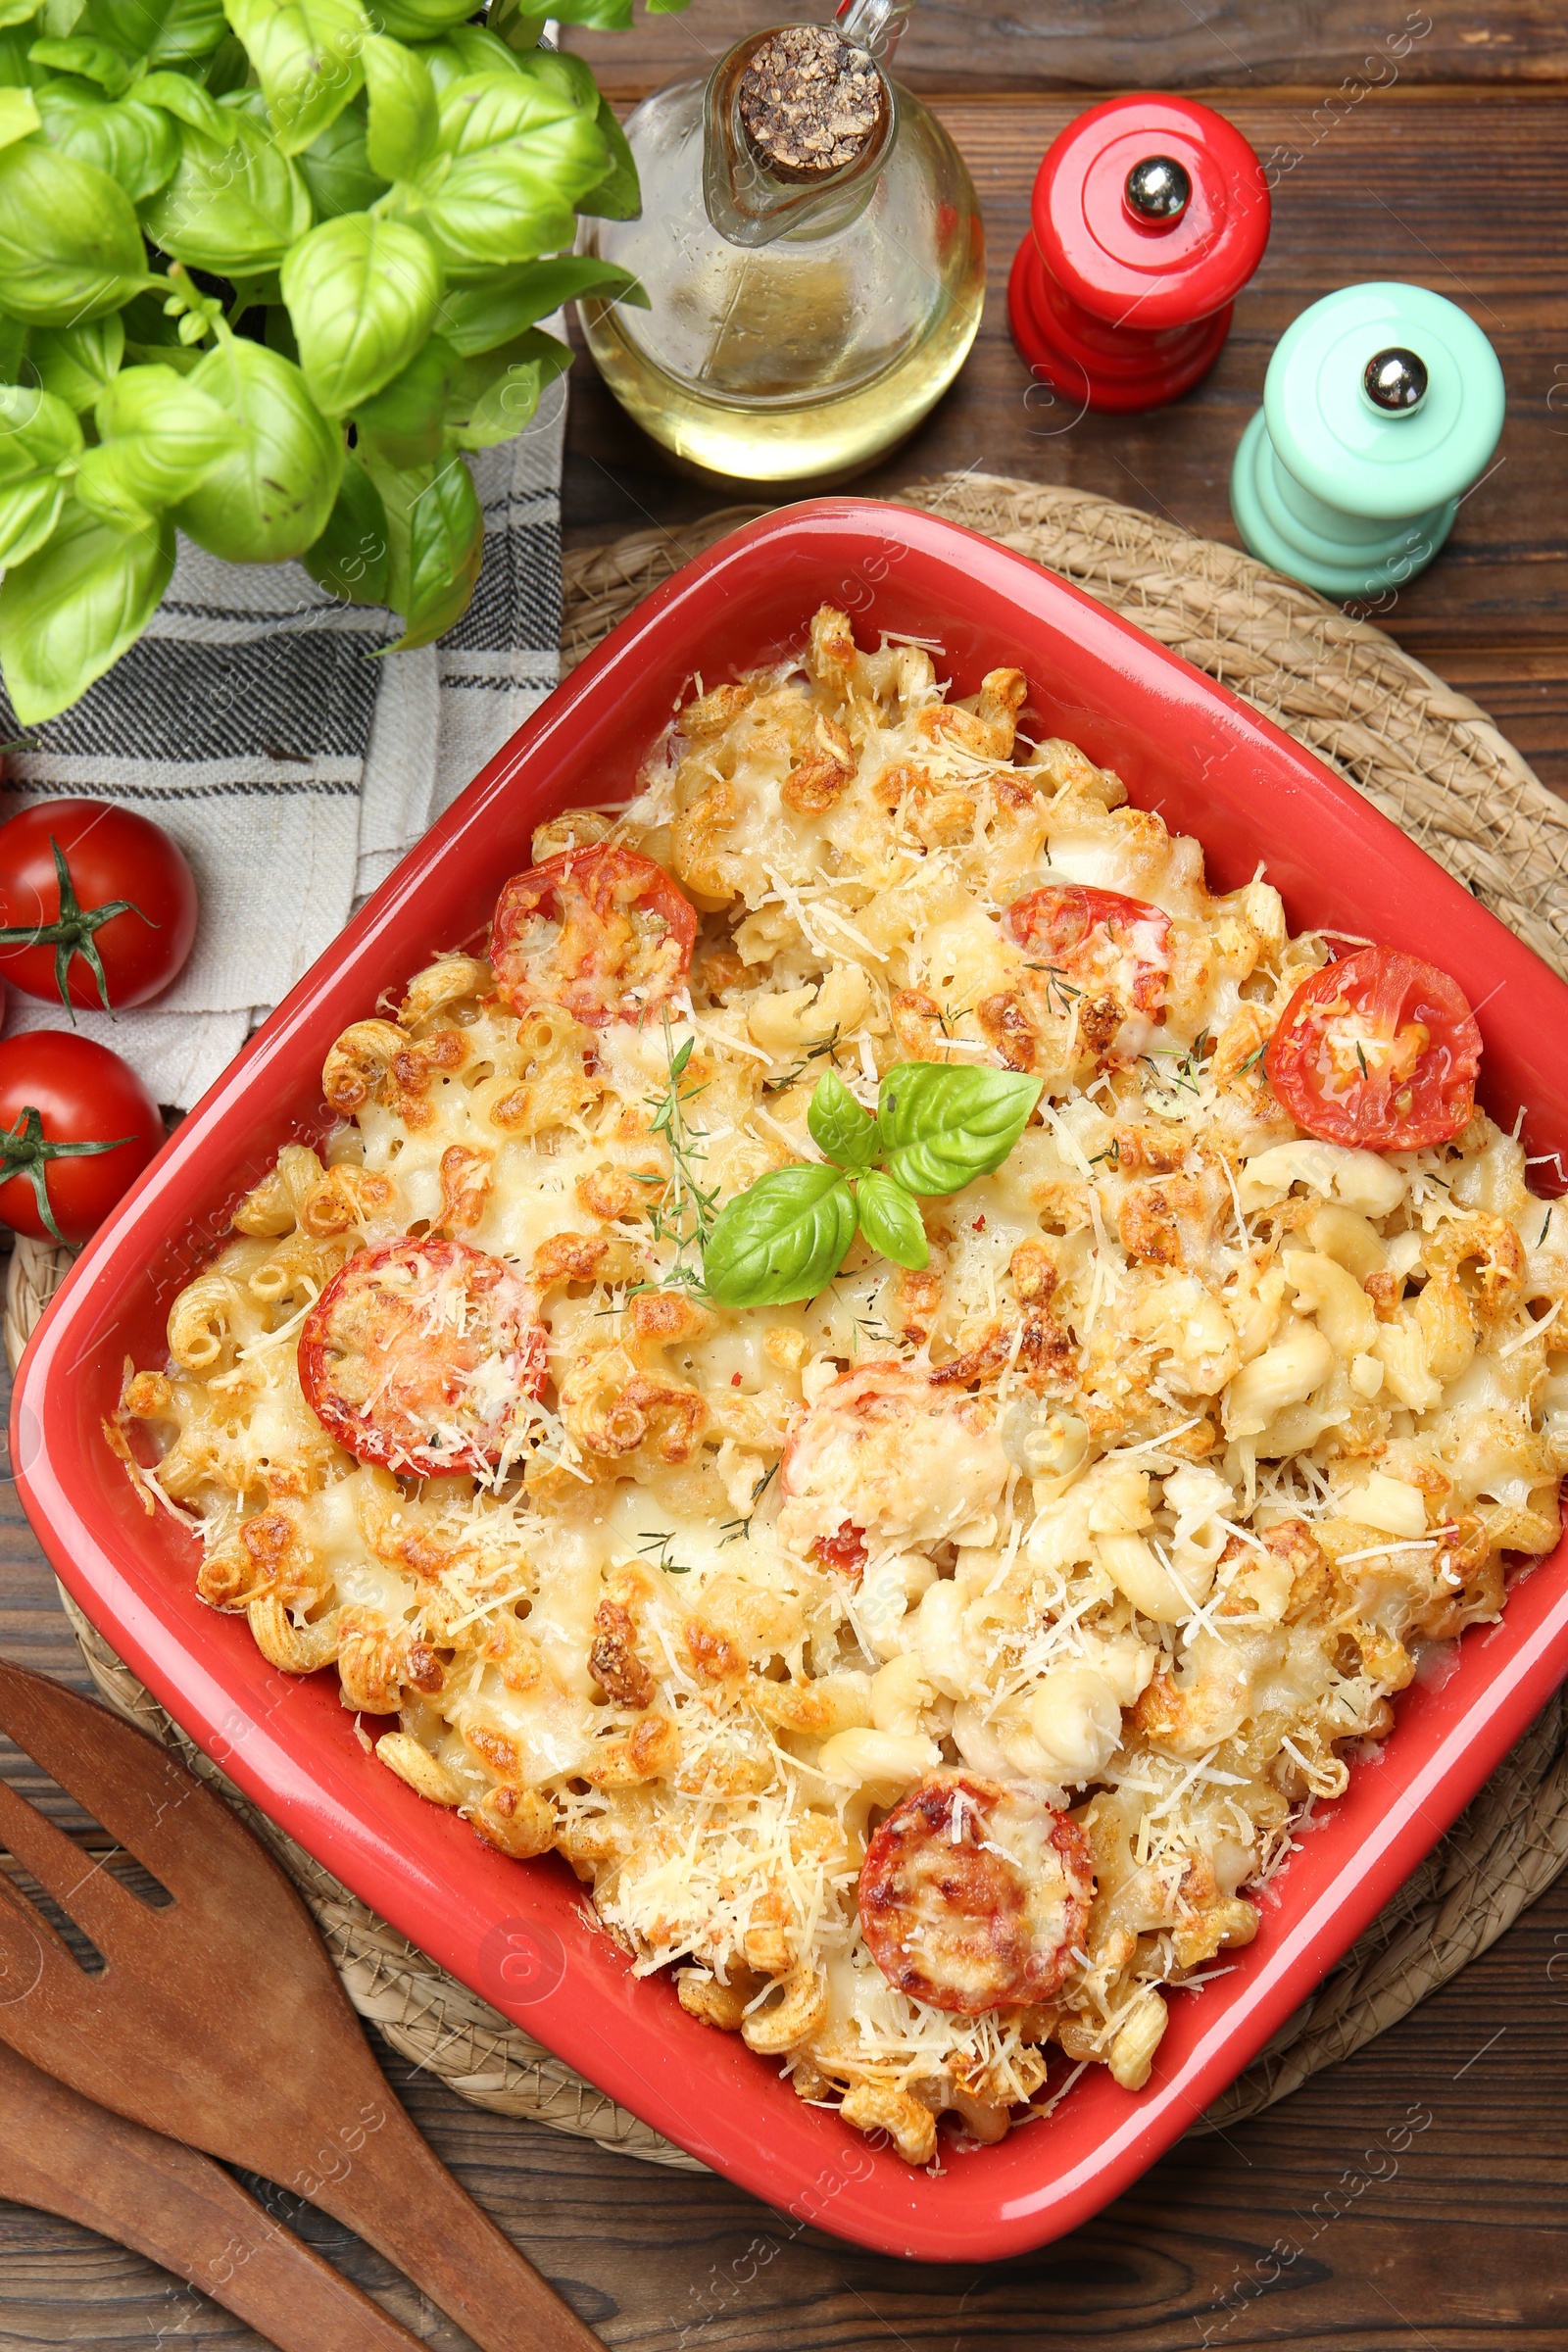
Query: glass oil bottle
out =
(811, 248)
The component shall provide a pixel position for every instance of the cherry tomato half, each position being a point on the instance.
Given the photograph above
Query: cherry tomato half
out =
(602, 931)
(128, 916)
(1380, 1050)
(974, 1894)
(418, 1354)
(76, 1128)
(1096, 939)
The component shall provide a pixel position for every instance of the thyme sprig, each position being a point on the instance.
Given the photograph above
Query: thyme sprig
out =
(1187, 1077)
(732, 1530)
(655, 1545)
(828, 1049)
(1057, 985)
(685, 1210)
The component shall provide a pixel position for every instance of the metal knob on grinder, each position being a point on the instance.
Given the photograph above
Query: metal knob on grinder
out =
(1382, 406)
(1150, 214)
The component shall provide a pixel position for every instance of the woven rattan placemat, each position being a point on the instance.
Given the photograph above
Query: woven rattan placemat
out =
(1435, 764)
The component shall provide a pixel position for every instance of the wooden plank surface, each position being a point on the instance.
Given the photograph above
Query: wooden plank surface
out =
(1413, 2195)
(957, 45)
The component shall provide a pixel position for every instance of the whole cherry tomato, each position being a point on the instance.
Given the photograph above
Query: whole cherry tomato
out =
(97, 906)
(76, 1128)
(1379, 1049)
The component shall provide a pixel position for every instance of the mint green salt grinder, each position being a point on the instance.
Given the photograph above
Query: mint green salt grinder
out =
(1382, 406)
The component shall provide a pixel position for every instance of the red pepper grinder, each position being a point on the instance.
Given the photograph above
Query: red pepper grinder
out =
(1150, 214)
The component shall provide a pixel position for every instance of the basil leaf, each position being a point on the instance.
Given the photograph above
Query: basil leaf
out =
(14, 341)
(513, 24)
(351, 558)
(403, 109)
(435, 539)
(227, 69)
(839, 1125)
(403, 422)
(598, 15)
(307, 59)
(161, 436)
(495, 396)
(69, 247)
(421, 20)
(783, 1239)
(461, 49)
(94, 61)
(17, 73)
(177, 95)
(944, 1125)
(30, 509)
(362, 294)
(37, 429)
(271, 496)
(891, 1220)
(77, 364)
(336, 167)
(476, 318)
(137, 145)
(619, 195)
(517, 152)
(38, 434)
(235, 204)
(558, 70)
(71, 610)
(17, 12)
(164, 32)
(18, 116)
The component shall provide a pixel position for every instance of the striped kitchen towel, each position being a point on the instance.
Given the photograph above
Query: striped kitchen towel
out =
(293, 769)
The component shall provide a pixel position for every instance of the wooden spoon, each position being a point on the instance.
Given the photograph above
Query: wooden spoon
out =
(219, 2020)
(64, 2155)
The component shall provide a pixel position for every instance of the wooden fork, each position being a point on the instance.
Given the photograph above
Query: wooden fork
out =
(218, 2019)
(64, 2155)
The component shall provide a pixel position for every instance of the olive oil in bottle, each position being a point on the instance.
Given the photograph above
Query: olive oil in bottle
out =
(811, 248)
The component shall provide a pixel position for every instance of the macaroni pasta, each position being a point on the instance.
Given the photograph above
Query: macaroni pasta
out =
(933, 1671)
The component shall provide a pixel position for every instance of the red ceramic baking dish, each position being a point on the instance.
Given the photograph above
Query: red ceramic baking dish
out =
(516, 1931)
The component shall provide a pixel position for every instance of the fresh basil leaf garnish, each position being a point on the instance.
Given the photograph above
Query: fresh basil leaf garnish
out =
(891, 1220)
(942, 1126)
(783, 1239)
(839, 1125)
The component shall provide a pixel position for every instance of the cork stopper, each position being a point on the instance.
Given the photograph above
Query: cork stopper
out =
(809, 102)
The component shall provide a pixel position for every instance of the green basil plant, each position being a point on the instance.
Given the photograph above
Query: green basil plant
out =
(267, 268)
(937, 1127)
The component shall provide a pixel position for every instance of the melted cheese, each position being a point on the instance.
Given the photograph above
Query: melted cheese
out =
(639, 1644)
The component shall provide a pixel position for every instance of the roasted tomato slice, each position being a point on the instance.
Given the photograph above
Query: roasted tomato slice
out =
(1380, 1050)
(602, 931)
(1095, 939)
(417, 1355)
(917, 1459)
(974, 1894)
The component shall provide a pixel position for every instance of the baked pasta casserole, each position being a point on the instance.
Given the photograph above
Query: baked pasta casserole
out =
(925, 1649)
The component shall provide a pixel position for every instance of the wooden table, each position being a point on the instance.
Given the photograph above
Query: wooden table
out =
(1450, 174)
